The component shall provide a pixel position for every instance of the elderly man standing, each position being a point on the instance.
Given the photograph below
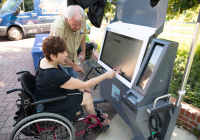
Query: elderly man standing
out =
(71, 26)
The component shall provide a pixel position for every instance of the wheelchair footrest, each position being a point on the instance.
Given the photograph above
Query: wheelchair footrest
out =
(105, 127)
(98, 128)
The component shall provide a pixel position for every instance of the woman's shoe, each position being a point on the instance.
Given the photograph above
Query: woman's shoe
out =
(104, 115)
(105, 122)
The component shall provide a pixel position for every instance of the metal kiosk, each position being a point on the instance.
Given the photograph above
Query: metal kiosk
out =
(140, 93)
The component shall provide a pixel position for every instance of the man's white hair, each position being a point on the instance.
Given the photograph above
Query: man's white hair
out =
(74, 9)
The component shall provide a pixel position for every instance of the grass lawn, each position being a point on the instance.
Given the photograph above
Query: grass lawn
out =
(184, 42)
(183, 34)
(179, 32)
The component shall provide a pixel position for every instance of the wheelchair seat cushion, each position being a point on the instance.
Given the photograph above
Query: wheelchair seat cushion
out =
(48, 82)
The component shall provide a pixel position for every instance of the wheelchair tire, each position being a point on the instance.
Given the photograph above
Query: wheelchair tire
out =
(52, 126)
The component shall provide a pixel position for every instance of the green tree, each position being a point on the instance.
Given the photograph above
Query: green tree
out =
(110, 9)
(3, 1)
(177, 7)
(188, 17)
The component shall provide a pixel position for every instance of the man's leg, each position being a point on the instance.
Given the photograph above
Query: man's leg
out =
(72, 73)
(65, 69)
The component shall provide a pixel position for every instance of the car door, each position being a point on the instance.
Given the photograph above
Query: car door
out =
(28, 17)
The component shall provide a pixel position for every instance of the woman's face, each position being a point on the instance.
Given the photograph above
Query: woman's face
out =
(61, 57)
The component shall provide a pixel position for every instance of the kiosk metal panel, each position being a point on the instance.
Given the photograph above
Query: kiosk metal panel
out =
(140, 12)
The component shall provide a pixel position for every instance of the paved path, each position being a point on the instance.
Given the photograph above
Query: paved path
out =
(124, 132)
(14, 56)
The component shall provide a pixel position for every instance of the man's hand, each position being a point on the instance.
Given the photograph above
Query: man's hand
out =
(78, 68)
(83, 56)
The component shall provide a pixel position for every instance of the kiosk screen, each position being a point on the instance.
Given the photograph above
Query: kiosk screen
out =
(121, 52)
(150, 66)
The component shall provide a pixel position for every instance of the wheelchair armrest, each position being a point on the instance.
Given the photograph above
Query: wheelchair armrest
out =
(99, 100)
(48, 100)
(15, 89)
(22, 72)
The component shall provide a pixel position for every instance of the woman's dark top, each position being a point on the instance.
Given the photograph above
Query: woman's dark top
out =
(48, 82)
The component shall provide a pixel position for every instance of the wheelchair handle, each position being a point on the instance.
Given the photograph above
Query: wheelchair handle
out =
(24, 71)
(13, 90)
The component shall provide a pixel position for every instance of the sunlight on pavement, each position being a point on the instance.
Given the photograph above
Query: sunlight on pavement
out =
(8, 49)
(174, 134)
(2, 84)
(24, 43)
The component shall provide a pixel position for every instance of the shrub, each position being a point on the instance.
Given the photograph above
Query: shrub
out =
(192, 95)
(99, 42)
(196, 132)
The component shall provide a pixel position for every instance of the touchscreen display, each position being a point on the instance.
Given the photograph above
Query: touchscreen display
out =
(121, 52)
(149, 68)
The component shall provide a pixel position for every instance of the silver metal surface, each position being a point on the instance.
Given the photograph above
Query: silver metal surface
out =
(161, 97)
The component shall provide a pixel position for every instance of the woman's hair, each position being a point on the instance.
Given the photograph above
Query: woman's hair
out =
(53, 45)
(71, 10)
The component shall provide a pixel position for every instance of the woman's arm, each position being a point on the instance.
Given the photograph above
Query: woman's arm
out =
(74, 83)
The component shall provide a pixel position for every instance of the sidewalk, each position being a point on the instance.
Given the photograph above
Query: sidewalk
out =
(119, 130)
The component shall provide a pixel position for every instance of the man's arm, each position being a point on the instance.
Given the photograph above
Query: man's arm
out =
(82, 49)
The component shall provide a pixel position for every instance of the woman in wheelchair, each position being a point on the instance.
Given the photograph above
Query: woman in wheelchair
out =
(52, 81)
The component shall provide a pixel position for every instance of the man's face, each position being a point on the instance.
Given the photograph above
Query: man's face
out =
(74, 24)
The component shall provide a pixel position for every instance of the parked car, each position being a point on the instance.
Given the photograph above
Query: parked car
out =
(19, 18)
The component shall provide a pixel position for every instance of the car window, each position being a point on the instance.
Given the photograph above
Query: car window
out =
(26, 6)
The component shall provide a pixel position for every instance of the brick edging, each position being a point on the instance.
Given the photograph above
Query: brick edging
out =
(189, 116)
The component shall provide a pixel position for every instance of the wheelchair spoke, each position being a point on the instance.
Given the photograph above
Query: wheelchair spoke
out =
(46, 128)
(27, 131)
(52, 128)
(61, 132)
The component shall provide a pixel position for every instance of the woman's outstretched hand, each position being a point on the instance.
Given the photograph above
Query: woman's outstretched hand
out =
(111, 74)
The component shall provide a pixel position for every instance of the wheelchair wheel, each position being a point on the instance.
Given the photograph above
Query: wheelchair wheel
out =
(43, 126)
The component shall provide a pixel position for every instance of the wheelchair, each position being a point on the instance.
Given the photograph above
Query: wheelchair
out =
(32, 122)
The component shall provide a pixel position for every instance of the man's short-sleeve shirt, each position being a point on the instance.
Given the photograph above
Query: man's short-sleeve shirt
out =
(61, 28)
